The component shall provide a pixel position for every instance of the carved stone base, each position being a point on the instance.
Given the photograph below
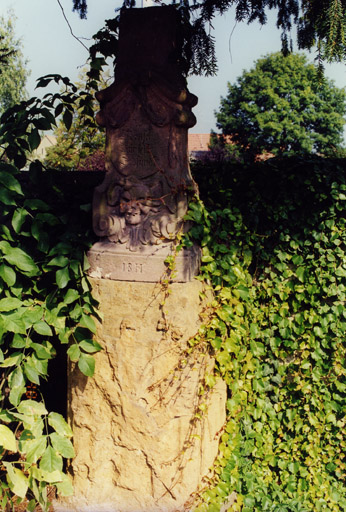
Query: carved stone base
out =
(139, 444)
(113, 261)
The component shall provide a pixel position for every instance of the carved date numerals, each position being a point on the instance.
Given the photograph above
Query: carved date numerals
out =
(132, 268)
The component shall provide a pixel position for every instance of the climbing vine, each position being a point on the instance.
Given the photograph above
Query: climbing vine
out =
(45, 302)
(274, 241)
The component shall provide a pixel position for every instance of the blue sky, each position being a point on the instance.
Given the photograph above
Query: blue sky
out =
(50, 47)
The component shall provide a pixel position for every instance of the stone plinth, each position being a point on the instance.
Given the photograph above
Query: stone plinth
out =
(108, 260)
(139, 445)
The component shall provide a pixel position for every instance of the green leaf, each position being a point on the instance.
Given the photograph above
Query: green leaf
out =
(9, 304)
(34, 449)
(10, 182)
(65, 488)
(242, 292)
(62, 277)
(17, 480)
(13, 360)
(67, 119)
(32, 374)
(51, 477)
(31, 505)
(16, 378)
(58, 261)
(33, 408)
(7, 274)
(43, 328)
(34, 139)
(88, 322)
(90, 346)
(57, 422)
(36, 204)
(7, 439)
(21, 260)
(42, 352)
(86, 364)
(13, 322)
(74, 352)
(18, 219)
(71, 296)
(62, 445)
(16, 394)
(51, 461)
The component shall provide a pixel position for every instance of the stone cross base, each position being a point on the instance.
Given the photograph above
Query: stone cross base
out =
(143, 443)
(112, 261)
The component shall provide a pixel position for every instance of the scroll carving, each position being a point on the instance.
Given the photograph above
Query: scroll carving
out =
(146, 113)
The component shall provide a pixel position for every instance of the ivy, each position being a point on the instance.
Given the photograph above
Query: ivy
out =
(273, 249)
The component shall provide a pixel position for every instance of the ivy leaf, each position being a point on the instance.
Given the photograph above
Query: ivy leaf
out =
(32, 374)
(59, 424)
(51, 461)
(10, 182)
(71, 296)
(17, 480)
(74, 352)
(62, 277)
(41, 351)
(31, 407)
(13, 322)
(65, 487)
(58, 261)
(35, 448)
(7, 439)
(16, 394)
(86, 364)
(88, 322)
(62, 445)
(43, 328)
(7, 274)
(9, 304)
(18, 219)
(90, 346)
(21, 260)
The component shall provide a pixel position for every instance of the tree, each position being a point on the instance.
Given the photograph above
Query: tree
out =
(280, 107)
(80, 142)
(319, 23)
(13, 71)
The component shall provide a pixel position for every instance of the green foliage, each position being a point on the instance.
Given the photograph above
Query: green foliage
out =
(318, 22)
(280, 107)
(45, 301)
(78, 136)
(13, 71)
(274, 250)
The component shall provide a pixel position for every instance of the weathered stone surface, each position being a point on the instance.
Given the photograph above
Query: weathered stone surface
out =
(146, 112)
(139, 445)
(148, 265)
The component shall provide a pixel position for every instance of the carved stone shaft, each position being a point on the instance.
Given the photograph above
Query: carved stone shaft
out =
(139, 208)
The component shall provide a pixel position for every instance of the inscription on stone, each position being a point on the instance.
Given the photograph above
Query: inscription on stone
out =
(141, 150)
(129, 267)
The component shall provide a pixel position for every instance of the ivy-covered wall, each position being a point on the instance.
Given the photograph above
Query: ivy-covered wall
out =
(274, 241)
(274, 250)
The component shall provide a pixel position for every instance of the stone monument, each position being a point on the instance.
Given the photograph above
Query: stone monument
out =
(142, 442)
(139, 208)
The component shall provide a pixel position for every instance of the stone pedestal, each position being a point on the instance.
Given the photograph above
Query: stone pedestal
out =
(139, 445)
(108, 260)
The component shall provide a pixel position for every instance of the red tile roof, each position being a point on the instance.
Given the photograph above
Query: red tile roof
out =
(198, 141)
